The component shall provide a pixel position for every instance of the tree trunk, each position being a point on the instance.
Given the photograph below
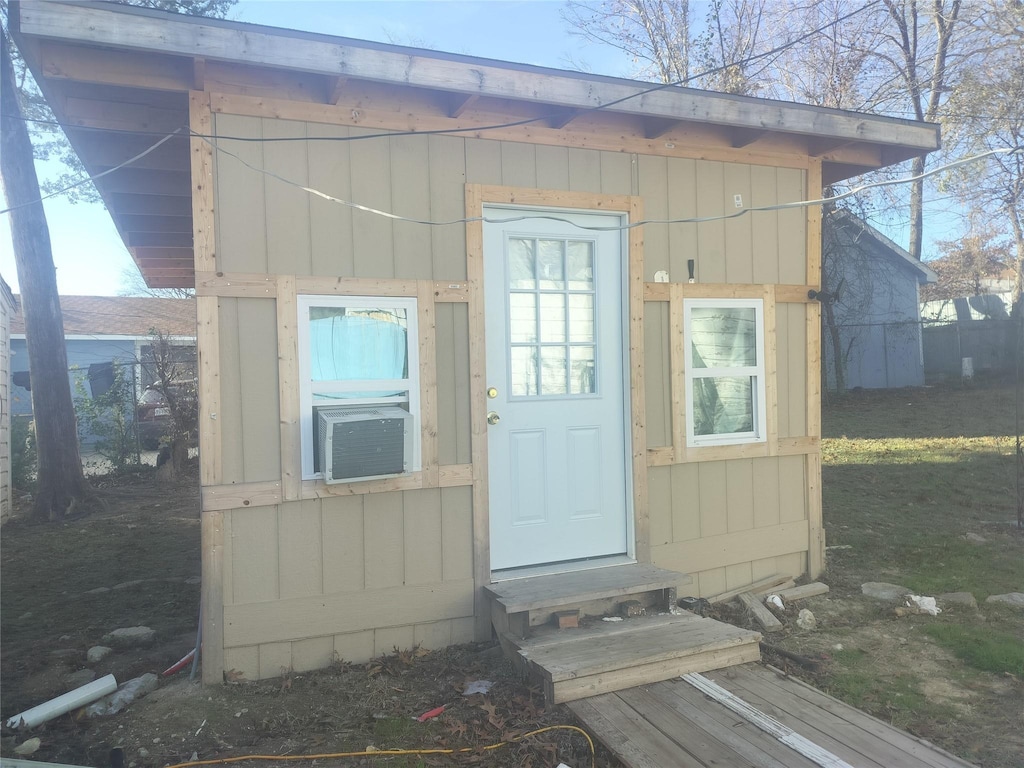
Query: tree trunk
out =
(61, 482)
(916, 209)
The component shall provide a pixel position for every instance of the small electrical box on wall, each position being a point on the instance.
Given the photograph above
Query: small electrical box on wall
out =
(661, 276)
(691, 264)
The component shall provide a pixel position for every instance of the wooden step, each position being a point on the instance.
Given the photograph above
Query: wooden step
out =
(611, 656)
(558, 589)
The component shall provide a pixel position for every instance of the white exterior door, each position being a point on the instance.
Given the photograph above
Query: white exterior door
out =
(557, 446)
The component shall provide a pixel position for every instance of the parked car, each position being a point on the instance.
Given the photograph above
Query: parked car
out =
(153, 414)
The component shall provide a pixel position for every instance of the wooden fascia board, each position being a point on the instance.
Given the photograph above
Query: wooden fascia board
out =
(127, 28)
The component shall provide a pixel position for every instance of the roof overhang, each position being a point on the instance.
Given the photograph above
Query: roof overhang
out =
(119, 76)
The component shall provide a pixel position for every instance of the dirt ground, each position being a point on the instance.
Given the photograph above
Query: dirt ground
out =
(65, 586)
(137, 563)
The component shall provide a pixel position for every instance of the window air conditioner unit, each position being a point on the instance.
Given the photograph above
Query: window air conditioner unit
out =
(360, 443)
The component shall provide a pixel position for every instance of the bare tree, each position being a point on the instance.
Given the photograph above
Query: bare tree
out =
(134, 284)
(174, 377)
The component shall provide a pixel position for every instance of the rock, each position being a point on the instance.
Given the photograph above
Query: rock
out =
(123, 696)
(881, 590)
(129, 637)
(143, 752)
(975, 538)
(1013, 599)
(80, 678)
(27, 747)
(806, 620)
(958, 598)
(98, 653)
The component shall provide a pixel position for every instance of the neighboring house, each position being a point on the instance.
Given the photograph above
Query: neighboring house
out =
(553, 392)
(6, 310)
(102, 332)
(876, 307)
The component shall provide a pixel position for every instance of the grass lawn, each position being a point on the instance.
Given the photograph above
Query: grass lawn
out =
(907, 475)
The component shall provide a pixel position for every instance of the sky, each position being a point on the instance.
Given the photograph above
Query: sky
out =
(88, 254)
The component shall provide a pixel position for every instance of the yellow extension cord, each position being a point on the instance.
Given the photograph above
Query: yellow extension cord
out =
(393, 752)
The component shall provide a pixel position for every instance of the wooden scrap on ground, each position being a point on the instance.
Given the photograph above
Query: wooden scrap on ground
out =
(763, 616)
(803, 591)
(761, 585)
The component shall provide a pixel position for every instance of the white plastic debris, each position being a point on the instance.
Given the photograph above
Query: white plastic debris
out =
(611, 618)
(28, 747)
(924, 604)
(477, 686)
(125, 695)
(774, 601)
(65, 703)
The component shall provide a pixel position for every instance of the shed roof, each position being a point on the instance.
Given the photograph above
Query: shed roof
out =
(119, 77)
(120, 316)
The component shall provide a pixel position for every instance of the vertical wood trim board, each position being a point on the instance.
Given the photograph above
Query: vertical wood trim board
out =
(771, 393)
(213, 596)
(288, 383)
(428, 381)
(677, 378)
(816, 544)
(478, 408)
(204, 241)
(638, 402)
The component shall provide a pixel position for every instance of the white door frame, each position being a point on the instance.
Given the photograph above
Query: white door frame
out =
(626, 332)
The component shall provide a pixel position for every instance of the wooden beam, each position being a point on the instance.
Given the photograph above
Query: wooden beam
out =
(169, 272)
(143, 223)
(158, 240)
(460, 102)
(80, 64)
(742, 137)
(149, 205)
(139, 181)
(656, 127)
(337, 90)
(288, 387)
(562, 117)
(762, 615)
(101, 149)
(168, 282)
(120, 27)
(164, 254)
(122, 116)
(198, 74)
(819, 147)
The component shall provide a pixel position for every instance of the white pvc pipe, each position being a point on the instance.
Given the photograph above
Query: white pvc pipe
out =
(79, 697)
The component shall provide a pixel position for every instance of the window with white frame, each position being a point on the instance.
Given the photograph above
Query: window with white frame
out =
(724, 357)
(356, 352)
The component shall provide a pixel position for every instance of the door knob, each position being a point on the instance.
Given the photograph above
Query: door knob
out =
(493, 417)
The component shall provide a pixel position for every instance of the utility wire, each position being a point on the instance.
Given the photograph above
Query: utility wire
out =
(631, 225)
(87, 179)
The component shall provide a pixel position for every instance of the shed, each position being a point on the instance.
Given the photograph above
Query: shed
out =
(591, 361)
(876, 306)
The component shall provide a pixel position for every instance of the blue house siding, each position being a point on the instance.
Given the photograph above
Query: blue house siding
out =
(81, 354)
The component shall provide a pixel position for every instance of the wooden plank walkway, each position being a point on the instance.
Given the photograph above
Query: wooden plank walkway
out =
(672, 723)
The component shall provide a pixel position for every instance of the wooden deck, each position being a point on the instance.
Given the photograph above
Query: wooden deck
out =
(780, 722)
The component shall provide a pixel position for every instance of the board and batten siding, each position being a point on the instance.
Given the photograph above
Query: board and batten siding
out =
(355, 575)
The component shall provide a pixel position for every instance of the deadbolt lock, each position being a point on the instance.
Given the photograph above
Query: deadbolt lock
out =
(492, 392)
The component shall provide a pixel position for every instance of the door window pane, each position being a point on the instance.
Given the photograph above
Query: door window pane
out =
(552, 317)
(582, 377)
(523, 365)
(551, 264)
(581, 317)
(522, 317)
(521, 263)
(581, 265)
(552, 371)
